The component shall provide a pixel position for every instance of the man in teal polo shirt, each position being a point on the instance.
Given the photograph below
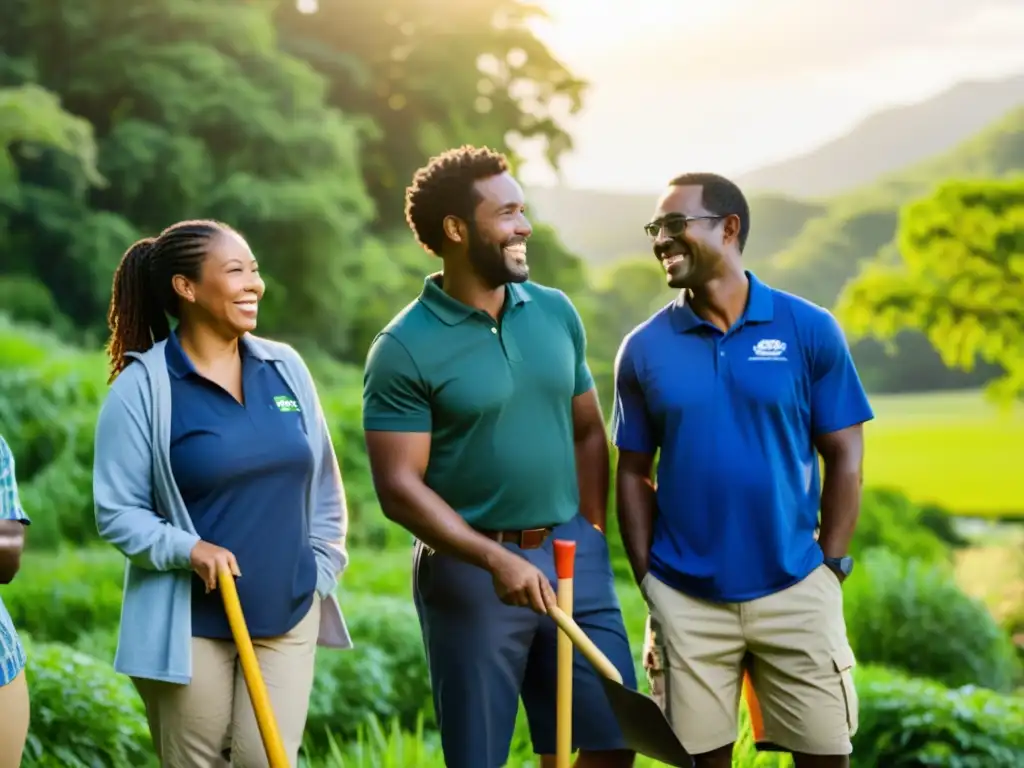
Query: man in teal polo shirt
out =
(486, 441)
(738, 388)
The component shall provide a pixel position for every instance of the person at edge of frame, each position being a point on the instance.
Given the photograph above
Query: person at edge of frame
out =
(740, 387)
(213, 454)
(14, 697)
(487, 442)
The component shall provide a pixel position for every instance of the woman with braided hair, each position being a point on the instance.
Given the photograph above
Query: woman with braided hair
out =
(212, 452)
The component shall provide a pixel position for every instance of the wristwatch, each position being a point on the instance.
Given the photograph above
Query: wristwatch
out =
(841, 565)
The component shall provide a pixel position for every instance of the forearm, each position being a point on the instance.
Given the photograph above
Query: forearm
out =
(12, 543)
(419, 510)
(146, 539)
(592, 475)
(840, 505)
(636, 508)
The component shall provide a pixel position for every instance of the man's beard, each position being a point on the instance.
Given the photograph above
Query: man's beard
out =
(490, 264)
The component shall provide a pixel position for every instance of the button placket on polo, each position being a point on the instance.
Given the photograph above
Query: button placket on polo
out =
(505, 337)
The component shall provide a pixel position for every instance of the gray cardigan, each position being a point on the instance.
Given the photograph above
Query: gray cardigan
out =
(140, 511)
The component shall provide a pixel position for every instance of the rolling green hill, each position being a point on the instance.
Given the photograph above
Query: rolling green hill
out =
(890, 157)
(854, 227)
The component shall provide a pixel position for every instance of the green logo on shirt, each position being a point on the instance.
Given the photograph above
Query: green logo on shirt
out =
(286, 404)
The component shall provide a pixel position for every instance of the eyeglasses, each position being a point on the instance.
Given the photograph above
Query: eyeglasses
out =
(674, 224)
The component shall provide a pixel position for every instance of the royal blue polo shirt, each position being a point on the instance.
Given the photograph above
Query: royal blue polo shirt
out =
(244, 472)
(734, 416)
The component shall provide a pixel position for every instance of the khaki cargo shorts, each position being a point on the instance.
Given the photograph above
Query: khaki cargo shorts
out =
(793, 644)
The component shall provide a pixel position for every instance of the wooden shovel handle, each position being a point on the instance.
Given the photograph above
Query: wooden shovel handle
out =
(585, 645)
(272, 742)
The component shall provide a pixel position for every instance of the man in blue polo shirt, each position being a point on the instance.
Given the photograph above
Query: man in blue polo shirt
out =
(740, 388)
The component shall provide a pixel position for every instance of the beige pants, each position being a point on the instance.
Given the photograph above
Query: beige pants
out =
(194, 725)
(14, 717)
(794, 644)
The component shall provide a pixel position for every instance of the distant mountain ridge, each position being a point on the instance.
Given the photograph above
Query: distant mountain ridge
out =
(891, 139)
(604, 227)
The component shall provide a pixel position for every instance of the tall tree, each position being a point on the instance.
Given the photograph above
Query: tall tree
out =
(197, 113)
(31, 118)
(32, 121)
(432, 75)
(425, 76)
(959, 280)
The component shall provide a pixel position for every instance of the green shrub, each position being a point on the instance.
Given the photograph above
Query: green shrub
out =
(907, 722)
(60, 596)
(392, 626)
(383, 677)
(889, 520)
(26, 300)
(84, 715)
(50, 395)
(912, 616)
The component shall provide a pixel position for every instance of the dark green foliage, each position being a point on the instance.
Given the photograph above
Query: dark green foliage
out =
(907, 723)
(49, 398)
(911, 615)
(958, 279)
(384, 677)
(62, 596)
(83, 714)
(889, 520)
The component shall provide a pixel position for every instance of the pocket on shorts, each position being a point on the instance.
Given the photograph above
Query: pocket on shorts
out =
(844, 662)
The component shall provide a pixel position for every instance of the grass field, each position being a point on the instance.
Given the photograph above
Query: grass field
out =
(949, 448)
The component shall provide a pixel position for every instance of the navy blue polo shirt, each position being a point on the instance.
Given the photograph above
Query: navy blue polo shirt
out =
(244, 472)
(734, 416)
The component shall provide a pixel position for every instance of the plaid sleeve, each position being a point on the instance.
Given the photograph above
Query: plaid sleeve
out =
(10, 502)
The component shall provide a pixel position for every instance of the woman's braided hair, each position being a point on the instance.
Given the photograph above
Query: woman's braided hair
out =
(143, 295)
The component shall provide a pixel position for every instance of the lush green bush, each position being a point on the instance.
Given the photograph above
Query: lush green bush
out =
(912, 616)
(888, 519)
(49, 398)
(908, 722)
(83, 714)
(28, 301)
(61, 596)
(384, 678)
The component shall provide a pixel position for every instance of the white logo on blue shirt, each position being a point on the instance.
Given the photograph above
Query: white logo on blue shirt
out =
(769, 349)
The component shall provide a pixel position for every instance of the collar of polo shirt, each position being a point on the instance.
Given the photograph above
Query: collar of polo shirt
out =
(452, 311)
(760, 308)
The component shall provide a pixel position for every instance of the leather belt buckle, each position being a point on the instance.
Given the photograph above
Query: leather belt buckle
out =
(530, 538)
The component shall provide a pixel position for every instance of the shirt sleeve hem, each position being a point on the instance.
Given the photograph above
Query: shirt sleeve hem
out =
(839, 424)
(392, 424)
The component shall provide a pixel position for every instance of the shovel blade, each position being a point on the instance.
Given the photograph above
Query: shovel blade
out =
(644, 725)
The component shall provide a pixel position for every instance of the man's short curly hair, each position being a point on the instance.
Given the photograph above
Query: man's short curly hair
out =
(444, 187)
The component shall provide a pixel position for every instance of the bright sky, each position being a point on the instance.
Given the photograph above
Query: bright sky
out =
(730, 85)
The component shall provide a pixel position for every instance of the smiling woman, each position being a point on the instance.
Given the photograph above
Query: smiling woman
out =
(212, 454)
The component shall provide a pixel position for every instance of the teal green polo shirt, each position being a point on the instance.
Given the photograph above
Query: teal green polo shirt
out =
(496, 398)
